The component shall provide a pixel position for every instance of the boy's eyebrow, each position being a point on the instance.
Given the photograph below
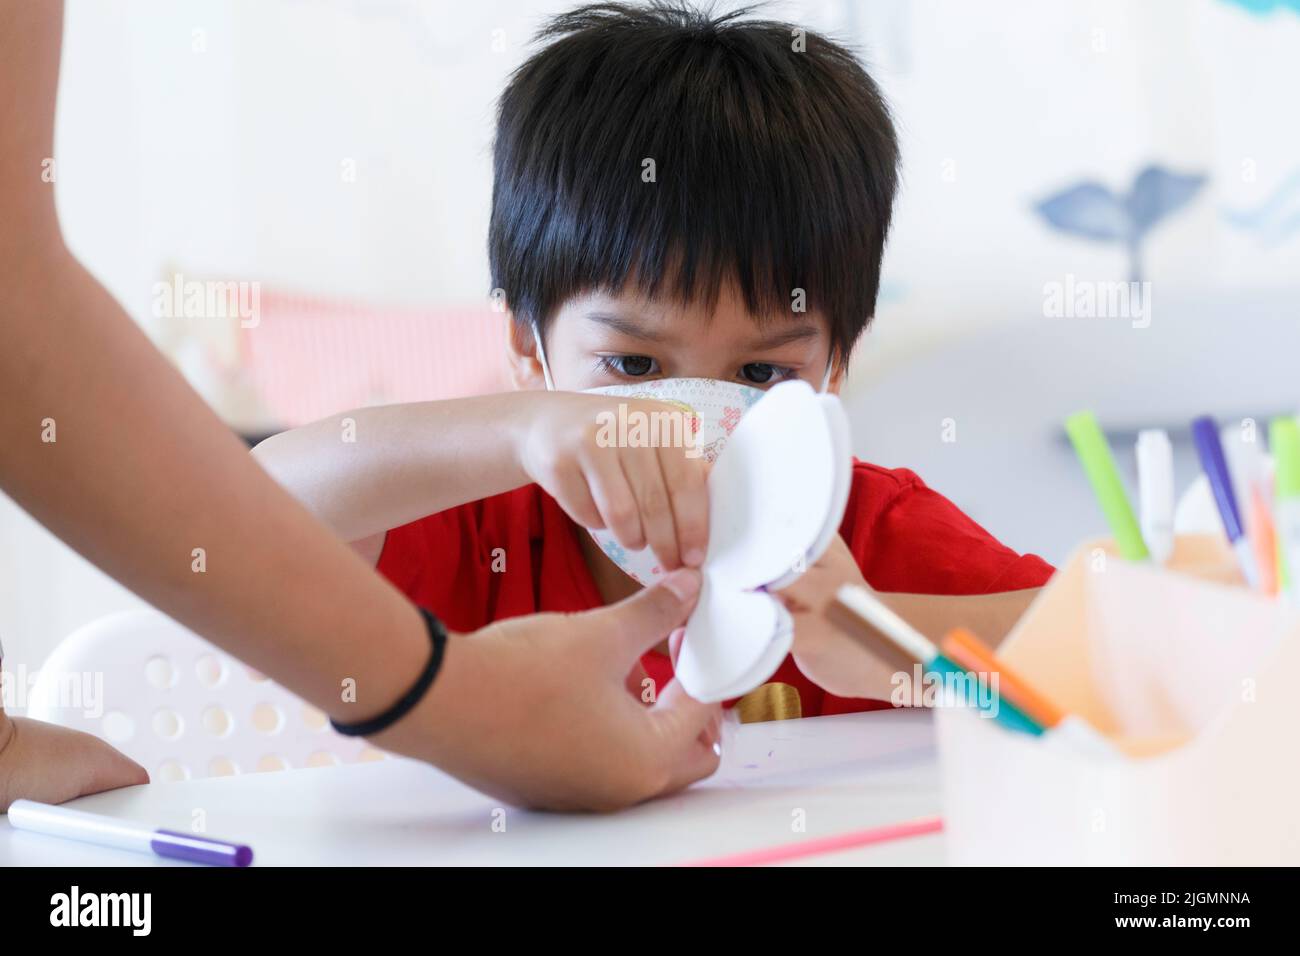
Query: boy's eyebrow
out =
(627, 326)
(796, 333)
(634, 329)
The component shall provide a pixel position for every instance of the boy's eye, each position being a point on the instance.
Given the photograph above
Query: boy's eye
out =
(761, 373)
(633, 366)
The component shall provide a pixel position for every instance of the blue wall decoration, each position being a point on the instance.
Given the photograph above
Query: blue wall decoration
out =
(1094, 211)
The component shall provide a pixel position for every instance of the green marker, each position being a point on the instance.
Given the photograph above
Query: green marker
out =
(1094, 454)
(1284, 443)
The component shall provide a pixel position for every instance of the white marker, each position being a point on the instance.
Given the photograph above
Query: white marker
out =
(1155, 463)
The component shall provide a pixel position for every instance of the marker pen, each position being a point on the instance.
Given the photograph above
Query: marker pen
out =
(1205, 435)
(1155, 463)
(1284, 442)
(1094, 454)
(108, 831)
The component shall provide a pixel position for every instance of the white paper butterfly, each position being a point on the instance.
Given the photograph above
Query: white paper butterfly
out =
(777, 494)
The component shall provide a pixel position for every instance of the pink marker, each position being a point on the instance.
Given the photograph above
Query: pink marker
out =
(830, 844)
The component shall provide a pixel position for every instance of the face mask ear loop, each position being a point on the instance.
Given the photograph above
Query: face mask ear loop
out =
(541, 357)
(826, 379)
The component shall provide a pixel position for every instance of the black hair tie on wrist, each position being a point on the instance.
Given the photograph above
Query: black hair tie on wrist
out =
(404, 705)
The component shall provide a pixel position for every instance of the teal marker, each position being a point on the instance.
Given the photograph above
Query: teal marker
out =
(999, 708)
(915, 646)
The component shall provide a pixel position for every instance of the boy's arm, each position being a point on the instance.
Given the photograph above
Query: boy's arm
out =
(991, 616)
(367, 471)
(373, 469)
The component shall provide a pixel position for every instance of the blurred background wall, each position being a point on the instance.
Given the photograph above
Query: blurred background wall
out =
(337, 152)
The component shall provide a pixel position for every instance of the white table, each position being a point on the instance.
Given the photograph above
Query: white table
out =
(837, 774)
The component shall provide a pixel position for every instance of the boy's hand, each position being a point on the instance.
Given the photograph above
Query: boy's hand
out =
(835, 661)
(45, 762)
(644, 495)
(845, 667)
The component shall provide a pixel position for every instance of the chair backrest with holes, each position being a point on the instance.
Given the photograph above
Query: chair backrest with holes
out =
(179, 706)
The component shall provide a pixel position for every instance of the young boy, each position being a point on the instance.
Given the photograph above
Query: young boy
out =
(675, 196)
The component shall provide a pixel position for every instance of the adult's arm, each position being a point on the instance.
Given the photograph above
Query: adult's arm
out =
(141, 473)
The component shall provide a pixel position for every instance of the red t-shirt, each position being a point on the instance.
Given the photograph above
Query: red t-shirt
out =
(905, 537)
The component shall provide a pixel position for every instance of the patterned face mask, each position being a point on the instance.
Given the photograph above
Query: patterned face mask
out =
(707, 412)
(710, 409)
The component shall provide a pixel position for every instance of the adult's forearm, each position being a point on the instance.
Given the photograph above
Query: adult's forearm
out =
(104, 443)
(107, 446)
(368, 471)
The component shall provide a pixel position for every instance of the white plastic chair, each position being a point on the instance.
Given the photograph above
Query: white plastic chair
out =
(179, 706)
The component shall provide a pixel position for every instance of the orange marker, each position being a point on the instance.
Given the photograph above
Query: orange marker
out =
(1263, 537)
(968, 651)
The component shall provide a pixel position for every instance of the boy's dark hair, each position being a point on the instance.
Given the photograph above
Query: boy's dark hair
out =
(774, 167)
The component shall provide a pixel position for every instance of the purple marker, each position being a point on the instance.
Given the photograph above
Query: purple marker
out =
(109, 831)
(1205, 434)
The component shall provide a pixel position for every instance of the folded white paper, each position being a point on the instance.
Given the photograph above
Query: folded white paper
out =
(777, 494)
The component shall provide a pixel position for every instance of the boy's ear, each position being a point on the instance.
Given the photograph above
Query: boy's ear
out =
(839, 372)
(521, 352)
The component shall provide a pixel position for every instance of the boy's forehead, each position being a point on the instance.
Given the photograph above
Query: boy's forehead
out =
(631, 313)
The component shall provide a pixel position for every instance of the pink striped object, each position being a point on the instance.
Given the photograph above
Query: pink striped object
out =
(312, 357)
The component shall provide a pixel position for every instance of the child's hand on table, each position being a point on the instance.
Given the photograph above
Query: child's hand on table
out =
(643, 495)
(835, 661)
(45, 762)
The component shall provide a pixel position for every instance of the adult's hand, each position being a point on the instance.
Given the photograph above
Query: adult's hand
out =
(52, 764)
(545, 701)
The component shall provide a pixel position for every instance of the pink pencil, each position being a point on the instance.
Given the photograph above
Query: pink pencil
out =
(830, 844)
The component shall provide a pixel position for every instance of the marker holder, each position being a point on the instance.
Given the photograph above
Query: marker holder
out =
(1191, 677)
